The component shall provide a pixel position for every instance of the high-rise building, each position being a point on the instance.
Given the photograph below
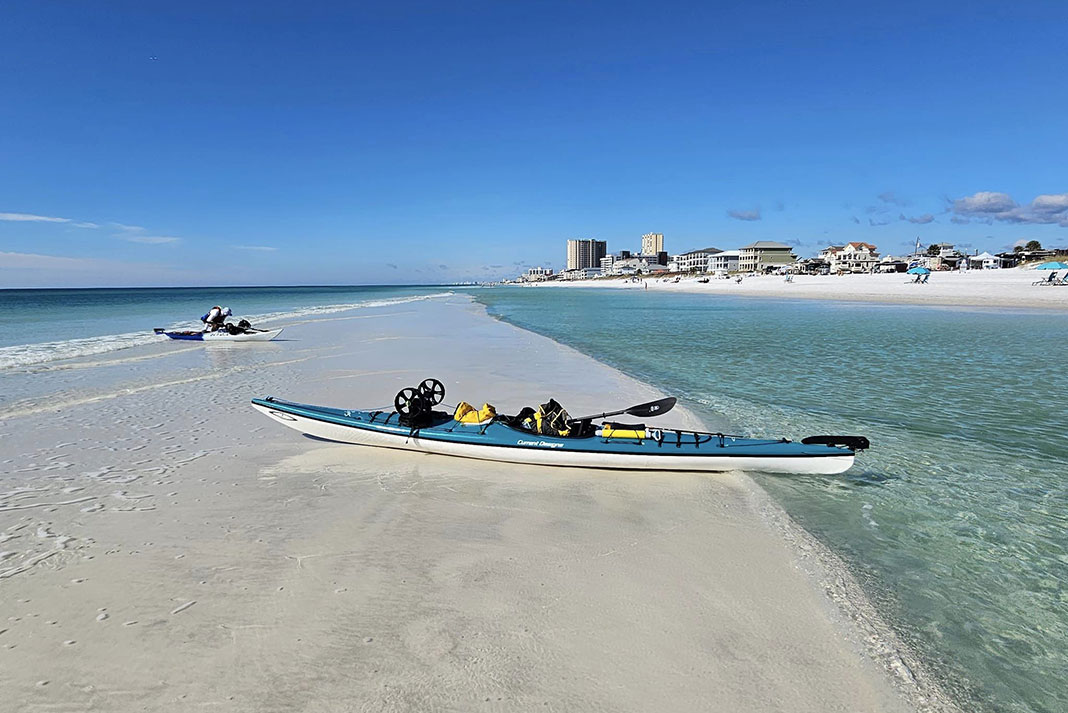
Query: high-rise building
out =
(585, 253)
(652, 243)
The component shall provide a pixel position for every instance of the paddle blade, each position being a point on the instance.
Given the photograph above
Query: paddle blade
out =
(653, 408)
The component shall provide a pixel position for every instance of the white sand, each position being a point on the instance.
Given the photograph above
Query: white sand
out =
(173, 550)
(976, 288)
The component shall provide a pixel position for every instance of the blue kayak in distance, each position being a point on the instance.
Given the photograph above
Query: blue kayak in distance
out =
(607, 445)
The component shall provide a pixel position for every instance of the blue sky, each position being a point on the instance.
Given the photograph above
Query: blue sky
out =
(314, 143)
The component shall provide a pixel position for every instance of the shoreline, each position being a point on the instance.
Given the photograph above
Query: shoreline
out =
(1009, 288)
(474, 518)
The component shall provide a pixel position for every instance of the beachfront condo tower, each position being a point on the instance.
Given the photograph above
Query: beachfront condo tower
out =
(652, 243)
(585, 253)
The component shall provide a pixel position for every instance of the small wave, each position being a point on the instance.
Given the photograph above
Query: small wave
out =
(21, 355)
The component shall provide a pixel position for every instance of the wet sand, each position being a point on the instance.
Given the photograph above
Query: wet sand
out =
(164, 547)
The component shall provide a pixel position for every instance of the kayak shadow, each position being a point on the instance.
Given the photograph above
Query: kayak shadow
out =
(310, 437)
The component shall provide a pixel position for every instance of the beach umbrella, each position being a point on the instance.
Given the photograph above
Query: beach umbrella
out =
(918, 271)
(1052, 266)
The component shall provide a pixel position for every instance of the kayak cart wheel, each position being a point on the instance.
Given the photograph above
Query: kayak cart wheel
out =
(432, 391)
(409, 403)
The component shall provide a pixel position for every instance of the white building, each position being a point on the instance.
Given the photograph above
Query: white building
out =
(726, 260)
(638, 265)
(652, 243)
(695, 260)
(538, 274)
(985, 261)
(858, 257)
(585, 273)
(851, 257)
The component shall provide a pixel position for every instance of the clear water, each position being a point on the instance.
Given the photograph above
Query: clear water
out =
(44, 325)
(956, 522)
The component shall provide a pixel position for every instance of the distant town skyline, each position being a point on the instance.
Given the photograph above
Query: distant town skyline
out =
(327, 143)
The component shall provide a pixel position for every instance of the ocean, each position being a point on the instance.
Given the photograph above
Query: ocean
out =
(955, 522)
(39, 326)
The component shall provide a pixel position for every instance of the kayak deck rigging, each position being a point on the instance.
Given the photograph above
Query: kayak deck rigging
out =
(656, 435)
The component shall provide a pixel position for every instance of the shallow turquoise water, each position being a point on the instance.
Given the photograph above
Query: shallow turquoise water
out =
(956, 522)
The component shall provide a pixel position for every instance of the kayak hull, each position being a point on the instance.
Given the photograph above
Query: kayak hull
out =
(501, 443)
(223, 337)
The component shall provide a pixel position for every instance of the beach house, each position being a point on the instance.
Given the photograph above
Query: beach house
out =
(725, 261)
(695, 260)
(828, 254)
(765, 255)
(851, 257)
(943, 256)
(857, 257)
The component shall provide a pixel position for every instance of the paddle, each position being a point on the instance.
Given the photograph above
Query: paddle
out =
(653, 408)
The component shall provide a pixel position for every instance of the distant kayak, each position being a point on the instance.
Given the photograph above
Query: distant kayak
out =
(221, 336)
(607, 445)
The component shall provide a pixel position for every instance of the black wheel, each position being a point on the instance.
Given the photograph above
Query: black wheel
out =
(408, 402)
(433, 391)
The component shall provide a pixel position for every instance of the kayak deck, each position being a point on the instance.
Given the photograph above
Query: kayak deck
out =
(497, 440)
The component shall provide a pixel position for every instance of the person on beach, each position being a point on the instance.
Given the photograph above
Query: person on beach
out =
(215, 318)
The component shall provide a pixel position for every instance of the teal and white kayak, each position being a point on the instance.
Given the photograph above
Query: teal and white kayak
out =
(629, 447)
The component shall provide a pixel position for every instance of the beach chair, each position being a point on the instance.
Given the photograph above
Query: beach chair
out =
(926, 276)
(1051, 280)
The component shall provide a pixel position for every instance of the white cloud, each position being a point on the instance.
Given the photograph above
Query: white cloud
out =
(128, 228)
(260, 248)
(919, 219)
(1050, 204)
(1045, 209)
(150, 239)
(30, 218)
(984, 203)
